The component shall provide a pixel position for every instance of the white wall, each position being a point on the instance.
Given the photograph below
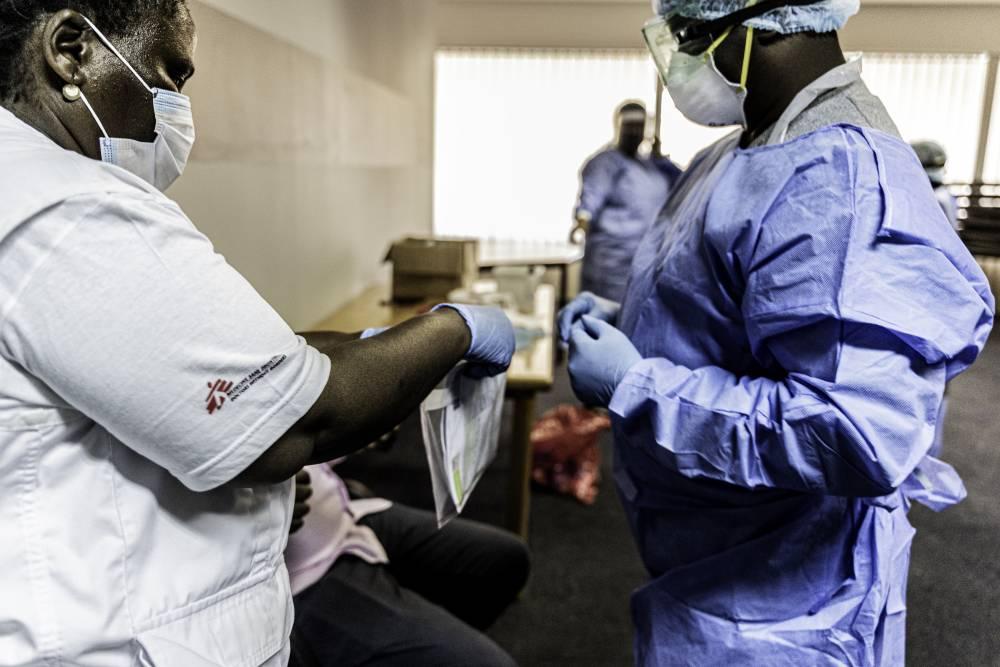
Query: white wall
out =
(315, 141)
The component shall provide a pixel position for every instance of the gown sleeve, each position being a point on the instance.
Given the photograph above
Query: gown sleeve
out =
(131, 318)
(863, 308)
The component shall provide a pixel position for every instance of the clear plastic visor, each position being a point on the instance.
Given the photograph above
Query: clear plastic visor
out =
(661, 43)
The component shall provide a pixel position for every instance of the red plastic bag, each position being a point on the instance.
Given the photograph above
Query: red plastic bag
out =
(566, 457)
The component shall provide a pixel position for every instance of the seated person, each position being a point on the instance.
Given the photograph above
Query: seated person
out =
(376, 583)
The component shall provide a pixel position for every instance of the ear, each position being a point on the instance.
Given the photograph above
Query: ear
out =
(68, 43)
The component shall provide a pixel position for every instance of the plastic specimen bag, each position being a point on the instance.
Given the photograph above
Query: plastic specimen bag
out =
(460, 420)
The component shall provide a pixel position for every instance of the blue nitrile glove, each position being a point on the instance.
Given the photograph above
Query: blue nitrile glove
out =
(599, 357)
(371, 333)
(587, 303)
(493, 341)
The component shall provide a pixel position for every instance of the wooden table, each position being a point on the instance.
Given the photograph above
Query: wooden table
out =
(558, 256)
(531, 371)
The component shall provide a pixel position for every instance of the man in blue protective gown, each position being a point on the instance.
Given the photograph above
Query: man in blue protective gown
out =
(934, 159)
(621, 193)
(776, 369)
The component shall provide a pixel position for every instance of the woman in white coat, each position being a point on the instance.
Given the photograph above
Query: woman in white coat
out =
(153, 407)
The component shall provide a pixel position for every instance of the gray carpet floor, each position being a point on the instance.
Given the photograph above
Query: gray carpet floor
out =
(575, 611)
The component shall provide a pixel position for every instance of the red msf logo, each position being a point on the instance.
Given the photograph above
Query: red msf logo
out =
(217, 395)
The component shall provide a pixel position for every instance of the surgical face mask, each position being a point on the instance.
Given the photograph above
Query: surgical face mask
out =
(161, 161)
(699, 90)
(631, 132)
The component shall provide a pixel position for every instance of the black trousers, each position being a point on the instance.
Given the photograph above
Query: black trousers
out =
(426, 607)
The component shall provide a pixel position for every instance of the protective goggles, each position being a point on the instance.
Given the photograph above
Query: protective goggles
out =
(666, 35)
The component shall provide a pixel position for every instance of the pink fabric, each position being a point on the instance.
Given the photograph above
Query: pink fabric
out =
(566, 457)
(331, 531)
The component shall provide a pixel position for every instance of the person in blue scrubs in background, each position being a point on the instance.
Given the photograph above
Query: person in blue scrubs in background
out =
(934, 159)
(776, 369)
(621, 194)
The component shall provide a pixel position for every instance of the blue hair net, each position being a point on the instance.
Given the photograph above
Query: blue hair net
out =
(825, 16)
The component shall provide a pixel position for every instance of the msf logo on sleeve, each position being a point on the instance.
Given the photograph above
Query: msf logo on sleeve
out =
(218, 394)
(221, 392)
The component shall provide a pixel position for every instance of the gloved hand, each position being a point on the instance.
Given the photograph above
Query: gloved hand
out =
(599, 357)
(371, 333)
(493, 342)
(586, 304)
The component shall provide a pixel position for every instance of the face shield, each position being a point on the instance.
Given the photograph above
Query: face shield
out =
(661, 44)
(687, 65)
(673, 33)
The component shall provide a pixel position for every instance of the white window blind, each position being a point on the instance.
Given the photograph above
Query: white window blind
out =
(514, 126)
(934, 96)
(991, 172)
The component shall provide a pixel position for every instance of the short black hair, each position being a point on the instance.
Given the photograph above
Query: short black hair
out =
(115, 18)
(631, 106)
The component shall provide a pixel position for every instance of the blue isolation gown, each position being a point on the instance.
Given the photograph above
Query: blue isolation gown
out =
(799, 308)
(623, 196)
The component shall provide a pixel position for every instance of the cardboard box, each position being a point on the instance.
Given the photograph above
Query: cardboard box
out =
(428, 268)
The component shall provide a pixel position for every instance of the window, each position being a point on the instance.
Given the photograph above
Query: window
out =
(934, 96)
(514, 126)
(991, 173)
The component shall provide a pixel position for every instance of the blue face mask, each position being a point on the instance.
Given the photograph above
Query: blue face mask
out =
(161, 161)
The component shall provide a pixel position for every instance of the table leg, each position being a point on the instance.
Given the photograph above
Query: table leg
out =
(564, 285)
(563, 302)
(519, 494)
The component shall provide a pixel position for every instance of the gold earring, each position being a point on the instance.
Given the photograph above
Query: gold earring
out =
(71, 92)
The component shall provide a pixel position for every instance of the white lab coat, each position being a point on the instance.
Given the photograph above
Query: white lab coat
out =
(139, 374)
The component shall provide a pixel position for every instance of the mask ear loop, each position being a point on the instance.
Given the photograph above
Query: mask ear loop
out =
(745, 75)
(748, 47)
(86, 103)
(714, 46)
(111, 47)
